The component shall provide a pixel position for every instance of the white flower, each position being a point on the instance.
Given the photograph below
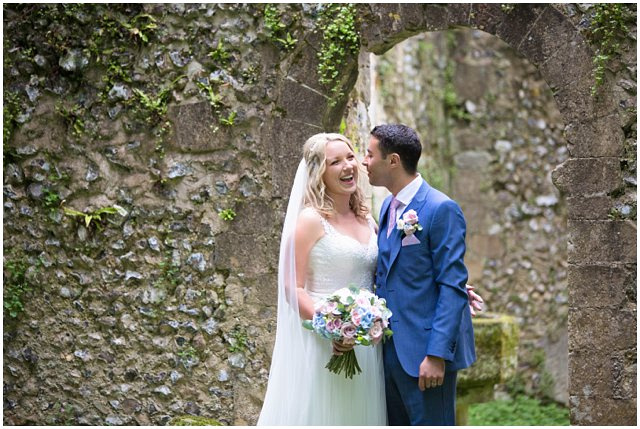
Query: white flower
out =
(409, 223)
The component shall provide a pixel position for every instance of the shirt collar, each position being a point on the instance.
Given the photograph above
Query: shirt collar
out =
(408, 192)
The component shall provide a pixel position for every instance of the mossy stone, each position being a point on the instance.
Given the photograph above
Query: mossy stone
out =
(194, 421)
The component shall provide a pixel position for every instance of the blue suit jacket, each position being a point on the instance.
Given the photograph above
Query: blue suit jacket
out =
(424, 284)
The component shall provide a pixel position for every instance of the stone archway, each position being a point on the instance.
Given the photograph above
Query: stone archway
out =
(601, 251)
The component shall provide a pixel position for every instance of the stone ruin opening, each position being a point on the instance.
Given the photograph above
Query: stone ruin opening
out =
(492, 135)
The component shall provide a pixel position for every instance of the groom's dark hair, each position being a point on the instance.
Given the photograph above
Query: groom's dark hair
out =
(400, 139)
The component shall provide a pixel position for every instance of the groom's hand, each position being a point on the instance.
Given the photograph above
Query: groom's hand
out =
(431, 372)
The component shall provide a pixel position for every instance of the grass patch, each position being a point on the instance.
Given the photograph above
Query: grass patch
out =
(520, 411)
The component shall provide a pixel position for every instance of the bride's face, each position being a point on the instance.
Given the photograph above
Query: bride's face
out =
(341, 172)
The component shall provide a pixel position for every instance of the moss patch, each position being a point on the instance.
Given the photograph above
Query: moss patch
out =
(194, 421)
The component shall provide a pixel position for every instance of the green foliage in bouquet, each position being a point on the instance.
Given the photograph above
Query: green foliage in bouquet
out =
(350, 316)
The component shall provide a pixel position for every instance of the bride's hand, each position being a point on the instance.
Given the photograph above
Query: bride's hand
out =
(340, 348)
(475, 300)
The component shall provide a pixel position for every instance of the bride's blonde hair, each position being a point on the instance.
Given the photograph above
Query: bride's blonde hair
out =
(315, 193)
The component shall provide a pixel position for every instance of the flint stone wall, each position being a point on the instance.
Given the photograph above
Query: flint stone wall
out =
(176, 113)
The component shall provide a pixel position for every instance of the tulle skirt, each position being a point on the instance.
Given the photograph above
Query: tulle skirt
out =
(326, 399)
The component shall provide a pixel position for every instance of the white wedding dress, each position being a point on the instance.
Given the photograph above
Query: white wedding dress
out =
(335, 261)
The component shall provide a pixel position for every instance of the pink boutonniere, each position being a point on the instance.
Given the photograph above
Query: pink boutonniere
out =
(409, 223)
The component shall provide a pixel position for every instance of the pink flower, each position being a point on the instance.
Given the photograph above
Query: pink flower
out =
(356, 317)
(348, 332)
(334, 325)
(410, 217)
(362, 302)
(376, 332)
(377, 313)
(329, 307)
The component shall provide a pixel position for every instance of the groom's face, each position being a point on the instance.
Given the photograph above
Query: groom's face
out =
(377, 166)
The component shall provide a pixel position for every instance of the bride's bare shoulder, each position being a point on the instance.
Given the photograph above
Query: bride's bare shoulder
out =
(309, 213)
(309, 218)
(309, 227)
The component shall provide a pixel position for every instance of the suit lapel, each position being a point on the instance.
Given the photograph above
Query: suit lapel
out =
(396, 236)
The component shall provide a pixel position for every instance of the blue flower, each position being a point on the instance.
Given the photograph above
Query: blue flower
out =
(319, 323)
(367, 319)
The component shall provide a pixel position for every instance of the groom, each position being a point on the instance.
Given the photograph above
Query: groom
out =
(422, 276)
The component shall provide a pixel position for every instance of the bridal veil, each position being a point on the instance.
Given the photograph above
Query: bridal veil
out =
(288, 397)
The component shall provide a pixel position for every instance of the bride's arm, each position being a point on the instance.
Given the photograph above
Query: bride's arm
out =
(308, 231)
(373, 222)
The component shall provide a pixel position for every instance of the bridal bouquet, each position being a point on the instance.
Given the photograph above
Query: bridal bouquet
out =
(351, 316)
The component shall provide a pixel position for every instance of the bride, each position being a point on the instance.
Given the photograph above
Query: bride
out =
(328, 242)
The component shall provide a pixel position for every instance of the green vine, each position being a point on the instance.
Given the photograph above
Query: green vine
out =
(340, 39)
(141, 26)
(452, 107)
(276, 29)
(10, 112)
(15, 286)
(608, 29)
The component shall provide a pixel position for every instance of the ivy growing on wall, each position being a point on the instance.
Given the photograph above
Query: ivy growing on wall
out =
(15, 285)
(337, 22)
(277, 28)
(609, 27)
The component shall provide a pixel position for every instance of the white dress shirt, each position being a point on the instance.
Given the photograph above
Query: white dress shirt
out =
(405, 196)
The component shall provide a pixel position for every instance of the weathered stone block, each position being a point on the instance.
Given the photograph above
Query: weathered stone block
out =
(592, 374)
(496, 338)
(470, 81)
(601, 286)
(383, 25)
(486, 16)
(550, 33)
(458, 14)
(595, 207)
(302, 103)
(576, 103)
(193, 127)
(518, 23)
(248, 254)
(288, 137)
(603, 411)
(466, 184)
(413, 16)
(471, 140)
(601, 329)
(592, 242)
(253, 217)
(553, 46)
(581, 176)
(304, 68)
(490, 246)
(600, 137)
(477, 215)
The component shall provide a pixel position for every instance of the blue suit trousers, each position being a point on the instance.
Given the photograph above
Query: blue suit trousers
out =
(407, 405)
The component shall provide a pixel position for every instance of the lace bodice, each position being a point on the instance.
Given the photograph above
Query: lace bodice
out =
(337, 261)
